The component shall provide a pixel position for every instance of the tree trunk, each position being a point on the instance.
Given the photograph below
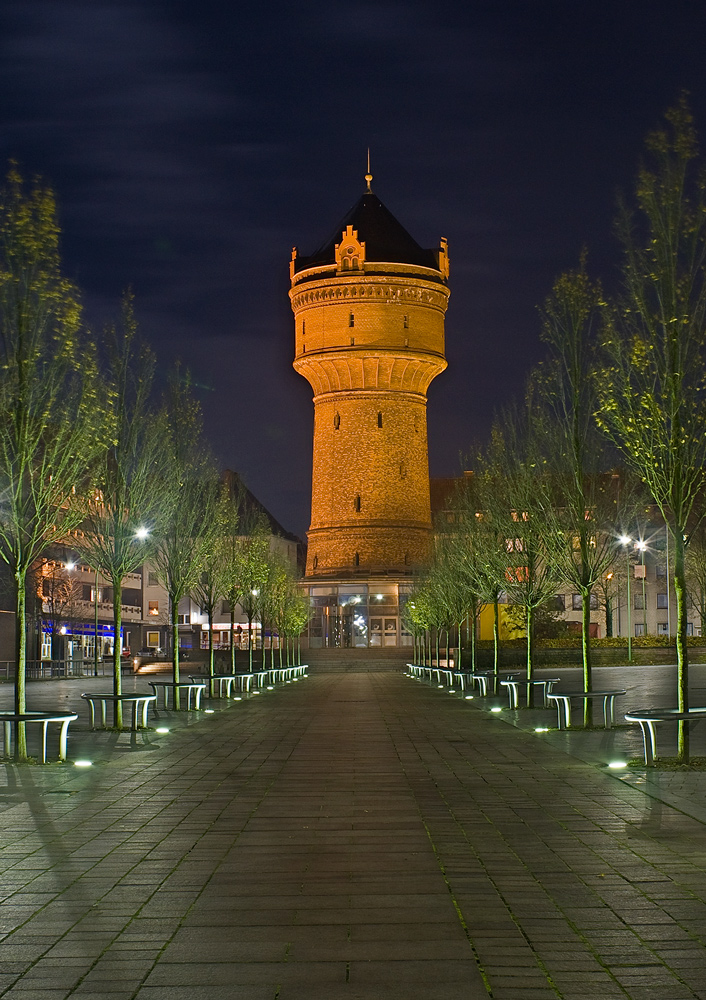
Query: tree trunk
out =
(460, 626)
(232, 635)
(211, 654)
(496, 645)
(117, 649)
(249, 644)
(530, 656)
(682, 649)
(473, 641)
(586, 654)
(20, 663)
(175, 652)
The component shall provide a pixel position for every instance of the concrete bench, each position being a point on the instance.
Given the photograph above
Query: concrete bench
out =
(43, 718)
(563, 704)
(140, 706)
(648, 719)
(197, 688)
(222, 682)
(513, 689)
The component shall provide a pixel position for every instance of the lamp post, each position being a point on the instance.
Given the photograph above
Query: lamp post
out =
(641, 546)
(625, 541)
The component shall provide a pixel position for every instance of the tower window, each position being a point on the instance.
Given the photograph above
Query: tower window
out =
(351, 320)
(303, 327)
(316, 561)
(406, 322)
(356, 559)
(352, 341)
(336, 421)
(356, 503)
(403, 470)
(379, 418)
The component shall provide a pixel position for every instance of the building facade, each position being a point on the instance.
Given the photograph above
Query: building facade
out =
(369, 308)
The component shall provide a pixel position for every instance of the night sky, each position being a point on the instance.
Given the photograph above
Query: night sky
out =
(191, 145)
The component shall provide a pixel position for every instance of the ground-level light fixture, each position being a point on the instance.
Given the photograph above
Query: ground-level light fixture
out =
(270, 687)
(209, 711)
(469, 697)
(83, 763)
(496, 709)
(617, 765)
(162, 729)
(541, 729)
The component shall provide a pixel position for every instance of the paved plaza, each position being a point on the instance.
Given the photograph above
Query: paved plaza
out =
(353, 835)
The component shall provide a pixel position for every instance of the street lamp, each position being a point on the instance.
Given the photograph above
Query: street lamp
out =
(625, 541)
(142, 533)
(641, 546)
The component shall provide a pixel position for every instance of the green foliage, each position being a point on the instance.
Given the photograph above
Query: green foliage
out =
(54, 420)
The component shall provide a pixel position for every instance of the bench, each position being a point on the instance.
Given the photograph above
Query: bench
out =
(44, 718)
(513, 689)
(563, 704)
(222, 681)
(197, 688)
(649, 717)
(140, 706)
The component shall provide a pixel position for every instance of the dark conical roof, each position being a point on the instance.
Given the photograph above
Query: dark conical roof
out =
(385, 239)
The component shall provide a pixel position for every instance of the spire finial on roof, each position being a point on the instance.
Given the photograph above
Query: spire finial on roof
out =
(369, 176)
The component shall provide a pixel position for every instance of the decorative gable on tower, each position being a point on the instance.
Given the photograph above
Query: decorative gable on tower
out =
(350, 252)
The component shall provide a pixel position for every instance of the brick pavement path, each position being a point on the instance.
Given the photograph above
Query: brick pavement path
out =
(354, 836)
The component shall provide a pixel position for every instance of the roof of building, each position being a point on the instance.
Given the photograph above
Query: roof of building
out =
(249, 506)
(385, 239)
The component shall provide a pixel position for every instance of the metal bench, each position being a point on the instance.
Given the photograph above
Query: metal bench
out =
(189, 687)
(513, 689)
(649, 717)
(43, 718)
(563, 704)
(221, 682)
(140, 706)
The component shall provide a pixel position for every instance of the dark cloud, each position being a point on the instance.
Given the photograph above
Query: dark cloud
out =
(191, 145)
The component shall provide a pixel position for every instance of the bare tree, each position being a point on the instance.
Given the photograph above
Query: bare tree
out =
(189, 495)
(652, 388)
(53, 417)
(125, 514)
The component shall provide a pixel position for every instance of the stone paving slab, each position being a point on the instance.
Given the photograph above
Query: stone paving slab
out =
(353, 836)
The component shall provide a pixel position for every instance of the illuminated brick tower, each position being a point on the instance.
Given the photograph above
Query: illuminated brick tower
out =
(369, 311)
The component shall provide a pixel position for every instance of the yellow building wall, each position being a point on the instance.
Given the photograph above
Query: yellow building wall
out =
(486, 620)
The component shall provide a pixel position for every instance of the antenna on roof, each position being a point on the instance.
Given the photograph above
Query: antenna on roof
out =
(369, 176)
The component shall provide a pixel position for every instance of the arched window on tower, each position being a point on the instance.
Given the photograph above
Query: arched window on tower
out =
(356, 559)
(379, 418)
(351, 319)
(336, 421)
(356, 503)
